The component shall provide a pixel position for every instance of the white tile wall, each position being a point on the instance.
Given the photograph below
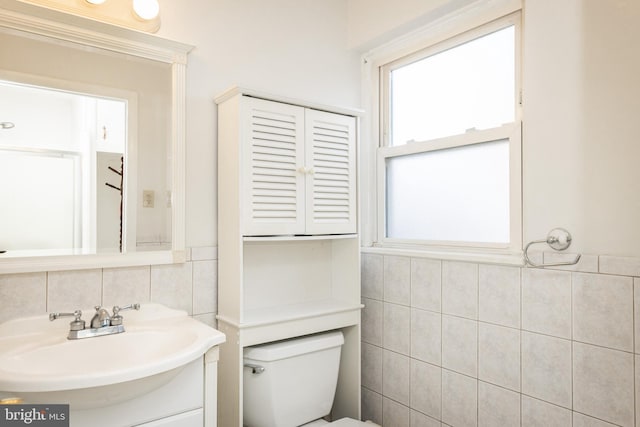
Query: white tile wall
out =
(426, 284)
(372, 276)
(418, 419)
(22, 295)
(394, 414)
(603, 310)
(460, 345)
(580, 420)
(371, 367)
(536, 413)
(472, 340)
(395, 376)
(71, 290)
(372, 320)
(459, 399)
(426, 336)
(191, 286)
(624, 266)
(460, 289)
(499, 355)
(371, 406)
(122, 286)
(502, 346)
(396, 328)
(426, 388)
(172, 284)
(546, 368)
(205, 286)
(499, 295)
(497, 406)
(603, 382)
(546, 302)
(397, 279)
(636, 310)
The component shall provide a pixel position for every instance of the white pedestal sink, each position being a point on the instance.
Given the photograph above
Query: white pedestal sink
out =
(162, 352)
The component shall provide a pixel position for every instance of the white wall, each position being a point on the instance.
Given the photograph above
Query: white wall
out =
(295, 48)
(581, 106)
(581, 100)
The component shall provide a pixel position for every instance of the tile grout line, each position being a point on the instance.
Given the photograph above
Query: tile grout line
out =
(633, 340)
(520, 284)
(571, 280)
(441, 346)
(477, 343)
(384, 257)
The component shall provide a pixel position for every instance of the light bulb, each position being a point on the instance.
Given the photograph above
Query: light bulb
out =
(95, 1)
(146, 9)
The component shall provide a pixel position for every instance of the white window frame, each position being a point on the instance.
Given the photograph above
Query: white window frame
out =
(378, 66)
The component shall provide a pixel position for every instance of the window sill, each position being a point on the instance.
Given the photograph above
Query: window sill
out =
(479, 256)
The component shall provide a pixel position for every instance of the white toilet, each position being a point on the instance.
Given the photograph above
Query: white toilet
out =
(292, 383)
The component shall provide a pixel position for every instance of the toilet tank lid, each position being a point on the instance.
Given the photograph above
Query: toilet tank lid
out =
(294, 347)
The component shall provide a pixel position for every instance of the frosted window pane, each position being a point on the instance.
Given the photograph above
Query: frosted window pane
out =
(468, 86)
(456, 194)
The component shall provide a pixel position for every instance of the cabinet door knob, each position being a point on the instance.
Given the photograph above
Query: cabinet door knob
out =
(306, 171)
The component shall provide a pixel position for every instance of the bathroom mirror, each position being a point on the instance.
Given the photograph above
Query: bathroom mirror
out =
(64, 157)
(91, 143)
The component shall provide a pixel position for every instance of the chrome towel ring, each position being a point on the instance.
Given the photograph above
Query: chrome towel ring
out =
(558, 239)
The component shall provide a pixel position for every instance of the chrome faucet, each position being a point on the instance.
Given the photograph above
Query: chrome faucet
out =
(101, 318)
(102, 322)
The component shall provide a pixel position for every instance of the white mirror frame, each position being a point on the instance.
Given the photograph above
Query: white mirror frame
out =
(27, 18)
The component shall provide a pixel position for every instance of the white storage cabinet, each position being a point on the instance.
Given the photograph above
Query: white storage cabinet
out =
(288, 246)
(297, 169)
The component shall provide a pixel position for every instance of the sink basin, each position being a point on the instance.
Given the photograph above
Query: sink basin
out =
(37, 359)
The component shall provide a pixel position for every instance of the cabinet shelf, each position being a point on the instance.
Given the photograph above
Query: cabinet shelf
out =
(288, 313)
(266, 325)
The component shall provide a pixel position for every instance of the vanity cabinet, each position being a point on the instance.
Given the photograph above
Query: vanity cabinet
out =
(288, 247)
(184, 398)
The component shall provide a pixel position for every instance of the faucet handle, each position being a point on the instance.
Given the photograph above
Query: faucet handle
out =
(116, 319)
(117, 309)
(75, 325)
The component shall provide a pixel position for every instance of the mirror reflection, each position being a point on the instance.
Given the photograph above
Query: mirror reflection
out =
(85, 149)
(64, 155)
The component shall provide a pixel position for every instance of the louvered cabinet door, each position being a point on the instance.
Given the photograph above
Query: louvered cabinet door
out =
(273, 164)
(330, 161)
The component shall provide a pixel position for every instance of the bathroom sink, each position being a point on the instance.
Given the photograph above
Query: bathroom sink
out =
(37, 359)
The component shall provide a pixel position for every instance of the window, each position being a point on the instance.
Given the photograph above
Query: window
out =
(449, 160)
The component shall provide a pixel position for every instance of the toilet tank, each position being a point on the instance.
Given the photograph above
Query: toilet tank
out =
(298, 382)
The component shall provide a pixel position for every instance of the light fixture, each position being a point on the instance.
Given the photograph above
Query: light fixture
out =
(146, 9)
(142, 15)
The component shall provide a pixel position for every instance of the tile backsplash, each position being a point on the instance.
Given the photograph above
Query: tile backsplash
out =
(444, 343)
(450, 343)
(191, 286)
